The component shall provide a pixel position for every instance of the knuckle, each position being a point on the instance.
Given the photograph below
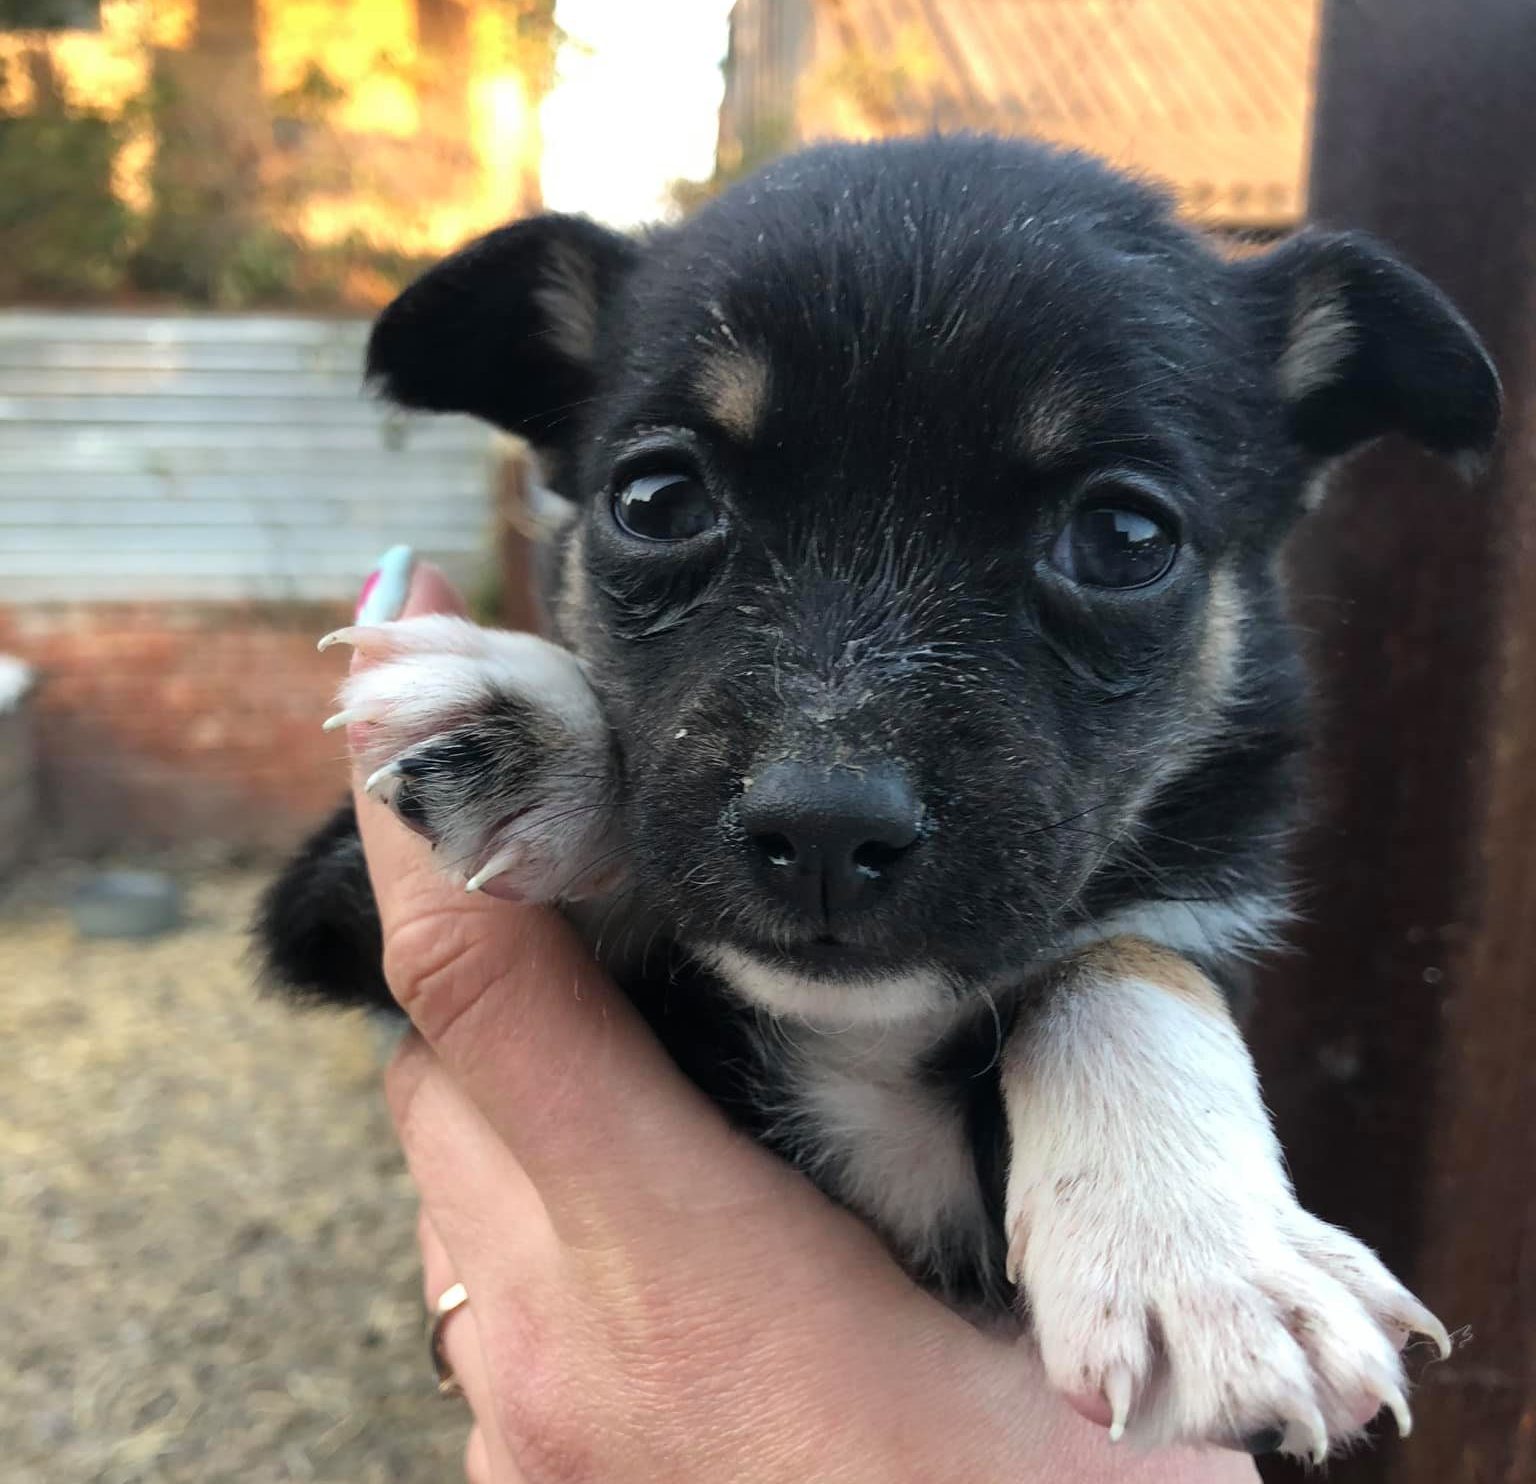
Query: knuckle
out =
(540, 1406)
(551, 1451)
(437, 967)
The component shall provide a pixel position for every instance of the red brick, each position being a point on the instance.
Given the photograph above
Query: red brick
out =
(161, 723)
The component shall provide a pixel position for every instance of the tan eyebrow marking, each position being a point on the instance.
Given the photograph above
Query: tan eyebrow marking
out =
(1051, 420)
(1221, 645)
(733, 386)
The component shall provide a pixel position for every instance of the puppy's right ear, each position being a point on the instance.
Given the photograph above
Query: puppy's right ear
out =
(507, 328)
(1361, 346)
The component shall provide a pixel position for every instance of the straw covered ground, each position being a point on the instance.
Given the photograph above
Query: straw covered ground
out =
(205, 1230)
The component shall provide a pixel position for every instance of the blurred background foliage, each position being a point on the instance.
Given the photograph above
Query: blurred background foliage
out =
(194, 153)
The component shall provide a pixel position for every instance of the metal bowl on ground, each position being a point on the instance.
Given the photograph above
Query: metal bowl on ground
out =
(127, 904)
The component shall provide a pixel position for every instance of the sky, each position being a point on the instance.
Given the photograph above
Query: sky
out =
(634, 105)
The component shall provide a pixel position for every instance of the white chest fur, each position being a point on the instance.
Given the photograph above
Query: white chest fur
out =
(873, 1127)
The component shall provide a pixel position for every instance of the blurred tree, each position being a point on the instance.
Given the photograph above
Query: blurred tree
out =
(49, 15)
(208, 236)
(248, 155)
(66, 233)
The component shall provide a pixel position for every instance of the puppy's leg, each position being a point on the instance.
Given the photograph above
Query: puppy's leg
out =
(1178, 1292)
(493, 746)
(317, 933)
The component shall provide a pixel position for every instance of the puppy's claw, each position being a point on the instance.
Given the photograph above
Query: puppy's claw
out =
(1307, 1437)
(376, 785)
(1412, 1318)
(1397, 1405)
(493, 867)
(1117, 1392)
(1422, 1322)
(341, 719)
(374, 640)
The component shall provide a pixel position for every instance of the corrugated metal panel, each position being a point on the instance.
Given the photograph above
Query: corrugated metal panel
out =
(216, 456)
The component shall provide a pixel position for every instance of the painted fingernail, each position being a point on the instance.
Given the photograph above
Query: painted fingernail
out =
(384, 593)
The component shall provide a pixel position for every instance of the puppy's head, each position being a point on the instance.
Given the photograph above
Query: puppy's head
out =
(926, 500)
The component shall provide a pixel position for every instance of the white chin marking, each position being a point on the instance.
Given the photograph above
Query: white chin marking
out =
(869, 1001)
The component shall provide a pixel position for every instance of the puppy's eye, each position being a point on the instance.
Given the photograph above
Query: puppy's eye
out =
(1110, 546)
(664, 507)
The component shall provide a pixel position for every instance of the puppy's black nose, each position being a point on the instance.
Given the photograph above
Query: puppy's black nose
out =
(825, 838)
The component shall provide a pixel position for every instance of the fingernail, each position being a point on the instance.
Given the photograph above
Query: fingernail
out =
(384, 593)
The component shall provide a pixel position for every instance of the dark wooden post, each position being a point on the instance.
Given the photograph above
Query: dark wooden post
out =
(1400, 1045)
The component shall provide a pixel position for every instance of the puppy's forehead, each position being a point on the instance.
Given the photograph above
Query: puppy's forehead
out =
(901, 300)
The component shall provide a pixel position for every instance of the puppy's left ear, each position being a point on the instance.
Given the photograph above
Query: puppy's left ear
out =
(507, 329)
(1361, 346)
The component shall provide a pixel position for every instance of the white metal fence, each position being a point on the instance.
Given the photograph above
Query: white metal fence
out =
(216, 456)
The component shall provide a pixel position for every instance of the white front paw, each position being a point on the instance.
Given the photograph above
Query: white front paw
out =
(1178, 1291)
(493, 746)
(1262, 1329)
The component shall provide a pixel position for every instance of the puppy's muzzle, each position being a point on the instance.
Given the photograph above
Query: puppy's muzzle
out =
(827, 840)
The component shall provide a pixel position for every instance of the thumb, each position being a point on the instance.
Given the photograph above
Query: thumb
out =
(512, 1004)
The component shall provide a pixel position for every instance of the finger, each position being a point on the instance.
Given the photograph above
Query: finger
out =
(515, 1007)
(437, 1271)
(459, 1338)
(482, 1222)
(429, 591)
(487, 1456)
(479, 1467)
(477, 1460)
(438, 1279)
(453, 1332)
(502, 1256)
(400, 587)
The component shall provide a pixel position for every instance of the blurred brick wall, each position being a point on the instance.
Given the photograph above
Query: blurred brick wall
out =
(168, 723)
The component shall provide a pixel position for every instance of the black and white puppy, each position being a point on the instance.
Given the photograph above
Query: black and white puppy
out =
(920, 725)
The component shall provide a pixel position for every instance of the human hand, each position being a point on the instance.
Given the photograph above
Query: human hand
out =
(655, 1297)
